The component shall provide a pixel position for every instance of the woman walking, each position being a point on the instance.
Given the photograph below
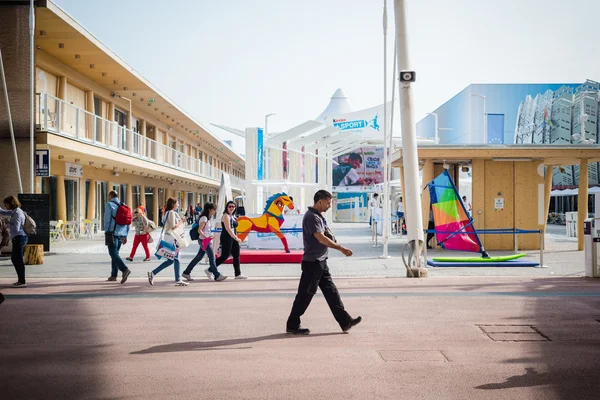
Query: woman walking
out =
(171, 221)
(206, 247)
(230, 243)
(18, 237)
(141, 225)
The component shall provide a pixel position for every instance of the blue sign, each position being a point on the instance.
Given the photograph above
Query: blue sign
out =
(495, 128)
(345, 125)
(260, 154)
(42, 163)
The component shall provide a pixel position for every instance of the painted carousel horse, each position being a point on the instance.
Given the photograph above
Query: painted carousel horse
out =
(270, 221)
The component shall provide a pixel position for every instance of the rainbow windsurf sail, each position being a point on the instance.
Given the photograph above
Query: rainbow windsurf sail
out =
(453, 225)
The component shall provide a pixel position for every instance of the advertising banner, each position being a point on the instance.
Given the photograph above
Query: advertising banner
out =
(358, 171)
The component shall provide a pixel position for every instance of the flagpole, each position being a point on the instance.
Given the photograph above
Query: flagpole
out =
(386, 194)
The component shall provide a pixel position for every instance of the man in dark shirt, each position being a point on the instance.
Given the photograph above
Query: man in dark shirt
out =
(315, 273)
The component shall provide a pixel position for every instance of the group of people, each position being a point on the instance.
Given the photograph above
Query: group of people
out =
(317, 236)
(116, 235)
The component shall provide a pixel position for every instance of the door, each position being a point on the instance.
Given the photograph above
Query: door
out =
(101, 197)
(72, 199)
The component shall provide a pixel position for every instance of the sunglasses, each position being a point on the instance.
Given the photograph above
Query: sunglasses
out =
(230, 206)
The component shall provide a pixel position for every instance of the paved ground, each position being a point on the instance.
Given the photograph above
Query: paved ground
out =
(85, 258)
(524, 335)
(420, 339)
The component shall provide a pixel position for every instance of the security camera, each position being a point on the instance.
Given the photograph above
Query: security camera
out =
(113, 94)
(464, 168)
(408, 76)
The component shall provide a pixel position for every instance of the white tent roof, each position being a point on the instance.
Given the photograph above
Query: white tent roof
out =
(338, 105)
(574, 192)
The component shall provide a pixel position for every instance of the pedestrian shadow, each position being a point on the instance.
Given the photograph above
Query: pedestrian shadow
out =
(212, 345)
(529, 379)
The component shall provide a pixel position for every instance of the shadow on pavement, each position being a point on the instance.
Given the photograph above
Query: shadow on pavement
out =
(212, 345)
(530, 378)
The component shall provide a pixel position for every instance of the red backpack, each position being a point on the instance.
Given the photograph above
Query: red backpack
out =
(124, 216)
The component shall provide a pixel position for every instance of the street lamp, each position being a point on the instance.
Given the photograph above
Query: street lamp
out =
(266, 154)
(436, 138)
(484, 118)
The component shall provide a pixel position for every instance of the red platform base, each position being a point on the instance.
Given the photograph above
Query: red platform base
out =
(269, 257)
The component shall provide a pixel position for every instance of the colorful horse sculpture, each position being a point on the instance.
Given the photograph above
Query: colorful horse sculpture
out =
(270, 221)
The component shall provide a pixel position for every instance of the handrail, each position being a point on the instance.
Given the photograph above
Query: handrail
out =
(79, 124)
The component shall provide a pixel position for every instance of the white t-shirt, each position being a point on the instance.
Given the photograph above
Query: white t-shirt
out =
(400, 207)
(206, 229)
(350, 179)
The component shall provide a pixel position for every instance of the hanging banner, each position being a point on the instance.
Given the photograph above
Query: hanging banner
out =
(358, 170)
(260, 154)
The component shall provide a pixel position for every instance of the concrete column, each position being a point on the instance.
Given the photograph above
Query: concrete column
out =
(428, 175)
(91, 200)
(89, 120)
(129, 195)
(143, 132)
(582, 206)
(156, 205)
(143, 196)
(547, 190)
(62, 94)
(109, 132)
(61, 199)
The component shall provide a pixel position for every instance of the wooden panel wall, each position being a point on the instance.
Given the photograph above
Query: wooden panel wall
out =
(527, 181)
(499, 182)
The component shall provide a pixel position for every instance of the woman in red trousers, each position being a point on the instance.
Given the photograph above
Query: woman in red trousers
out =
(142, 227)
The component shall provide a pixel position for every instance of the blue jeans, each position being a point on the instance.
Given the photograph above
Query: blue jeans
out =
(165, 265)
(116, 263)
(18, 248)
(211, 260)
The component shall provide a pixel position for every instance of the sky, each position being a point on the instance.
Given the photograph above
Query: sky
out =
(231, 62)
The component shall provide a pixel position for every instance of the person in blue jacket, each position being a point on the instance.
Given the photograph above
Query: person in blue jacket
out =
(115, 235)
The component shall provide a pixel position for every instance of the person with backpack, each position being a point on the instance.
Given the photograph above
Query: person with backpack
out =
(117, 218)
(202, 232)
(18, 237)
(171, 221)
(142, 227)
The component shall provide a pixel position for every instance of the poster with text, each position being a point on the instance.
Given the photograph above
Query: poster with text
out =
(358, 170)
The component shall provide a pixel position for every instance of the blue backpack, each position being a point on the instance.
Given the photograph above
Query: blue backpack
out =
(194, 235)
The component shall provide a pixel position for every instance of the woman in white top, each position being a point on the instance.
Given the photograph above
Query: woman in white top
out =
(171, 221)
(205, 233)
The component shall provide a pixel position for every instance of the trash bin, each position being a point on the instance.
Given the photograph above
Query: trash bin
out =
(591, 241)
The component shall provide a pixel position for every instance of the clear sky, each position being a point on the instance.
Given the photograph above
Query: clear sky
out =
(233, 61)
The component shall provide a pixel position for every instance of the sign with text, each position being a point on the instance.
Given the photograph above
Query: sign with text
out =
(74, 170)
(37, 206)
(42, 163)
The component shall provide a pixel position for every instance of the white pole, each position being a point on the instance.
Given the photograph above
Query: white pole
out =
(32, 96)
(391, 135)
(412, 195)
(10, 124)
(386, 200)
(485, 134)
(266, 152)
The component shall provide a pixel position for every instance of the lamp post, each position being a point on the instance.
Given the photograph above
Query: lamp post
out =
(31, 96)
(386, 189)
(266, 154)
(484, 118)
(436, 127)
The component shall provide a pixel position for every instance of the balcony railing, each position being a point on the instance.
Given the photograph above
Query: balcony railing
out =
(61, 118)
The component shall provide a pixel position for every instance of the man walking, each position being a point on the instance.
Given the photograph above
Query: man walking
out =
(115, 235)
(318, 238)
